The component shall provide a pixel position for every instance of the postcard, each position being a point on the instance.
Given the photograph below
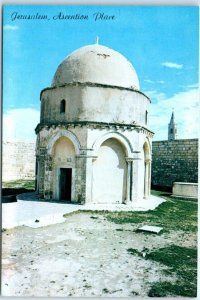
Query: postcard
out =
(100, 151)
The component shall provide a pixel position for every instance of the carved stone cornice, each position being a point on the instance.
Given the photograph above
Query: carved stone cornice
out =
(95, 125)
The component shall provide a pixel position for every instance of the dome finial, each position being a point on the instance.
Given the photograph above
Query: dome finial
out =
(97, 40)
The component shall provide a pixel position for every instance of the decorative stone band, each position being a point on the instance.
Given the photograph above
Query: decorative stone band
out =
(91, 84)
(95, 125)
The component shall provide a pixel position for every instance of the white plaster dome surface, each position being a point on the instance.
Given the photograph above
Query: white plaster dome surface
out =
(96, 64)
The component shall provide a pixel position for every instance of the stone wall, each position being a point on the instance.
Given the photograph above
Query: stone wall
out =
(18, 160)
(174, 161)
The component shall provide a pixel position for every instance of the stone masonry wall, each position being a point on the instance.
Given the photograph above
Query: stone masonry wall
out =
(174, 161)
(18, 160)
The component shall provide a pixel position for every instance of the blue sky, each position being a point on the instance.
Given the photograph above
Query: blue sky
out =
(160, 41)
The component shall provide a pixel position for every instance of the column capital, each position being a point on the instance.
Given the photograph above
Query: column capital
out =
(148, 160)
(129, 159)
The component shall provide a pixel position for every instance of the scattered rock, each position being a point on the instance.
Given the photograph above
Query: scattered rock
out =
(134, 293)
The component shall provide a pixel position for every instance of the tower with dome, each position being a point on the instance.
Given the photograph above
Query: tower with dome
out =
(93, 139)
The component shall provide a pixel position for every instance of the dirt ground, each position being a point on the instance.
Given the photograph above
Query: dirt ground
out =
(84, 256)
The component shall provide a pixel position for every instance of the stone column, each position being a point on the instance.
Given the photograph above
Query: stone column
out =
(48, 177)
(80, 184)
(149, 186)
(41, 172)
(129, 180)
(37, 174)
(147, 179)
(135, 177)
(89, 177)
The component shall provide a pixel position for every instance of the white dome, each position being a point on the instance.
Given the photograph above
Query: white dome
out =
(96, 64)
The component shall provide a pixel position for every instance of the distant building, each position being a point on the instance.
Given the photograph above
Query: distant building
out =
(93, 140)
(172, 129)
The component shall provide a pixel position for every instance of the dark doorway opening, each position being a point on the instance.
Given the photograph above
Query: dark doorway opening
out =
(65, 183)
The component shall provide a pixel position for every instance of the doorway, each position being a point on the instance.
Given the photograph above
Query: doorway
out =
(65, 183)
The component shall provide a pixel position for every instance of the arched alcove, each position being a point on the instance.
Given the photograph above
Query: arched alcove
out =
(63, 149)
(110, 173)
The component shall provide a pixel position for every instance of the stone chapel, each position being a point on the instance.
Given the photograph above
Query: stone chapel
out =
(93, 140)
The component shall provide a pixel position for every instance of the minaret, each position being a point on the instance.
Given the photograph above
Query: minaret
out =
(172, 130)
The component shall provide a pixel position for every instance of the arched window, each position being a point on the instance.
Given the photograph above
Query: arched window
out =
(171, 130)
(62, 106)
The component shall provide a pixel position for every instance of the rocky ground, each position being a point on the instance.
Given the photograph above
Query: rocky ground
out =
(84, 256)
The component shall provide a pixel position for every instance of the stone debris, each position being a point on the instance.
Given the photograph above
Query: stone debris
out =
(153, 229)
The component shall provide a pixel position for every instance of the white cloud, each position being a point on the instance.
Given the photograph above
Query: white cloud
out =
(19, 124)
(10, 27)
(186, 109)
(154, 95)
(172, 65)
(151, 81)
(195, 85)
(148, 81)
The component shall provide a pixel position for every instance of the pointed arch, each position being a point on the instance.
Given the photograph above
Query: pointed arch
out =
(64, 133)
(115, 135)
(148, 147)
